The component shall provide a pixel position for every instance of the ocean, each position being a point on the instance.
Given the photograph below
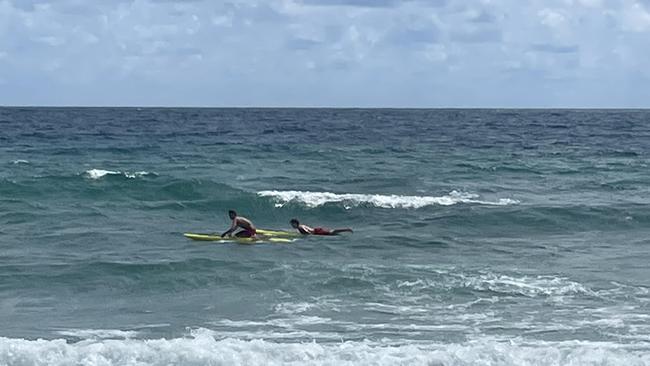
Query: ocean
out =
(481, 237)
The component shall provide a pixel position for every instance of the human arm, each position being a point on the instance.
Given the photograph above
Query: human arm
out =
(232, 228)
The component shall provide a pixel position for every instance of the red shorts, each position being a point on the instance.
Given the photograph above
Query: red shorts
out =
(322, 231)
(246, 233)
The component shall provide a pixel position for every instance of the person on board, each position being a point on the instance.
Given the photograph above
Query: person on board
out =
(248, 230)
(307, 230)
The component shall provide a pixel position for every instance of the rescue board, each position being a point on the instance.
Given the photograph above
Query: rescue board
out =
(273, 236)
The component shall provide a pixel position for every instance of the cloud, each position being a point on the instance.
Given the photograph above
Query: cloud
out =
(357, 3)
(482, 17)
(552, 48)
(477, 35)
(322, 52)
(302, 43)
(636, 17)
(552, 18)
(415, 35)
(375, 3)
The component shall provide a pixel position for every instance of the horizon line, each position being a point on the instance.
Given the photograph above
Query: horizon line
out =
(322, 107)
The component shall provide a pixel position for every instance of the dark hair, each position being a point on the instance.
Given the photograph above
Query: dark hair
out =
(232, 212)
(294, 220)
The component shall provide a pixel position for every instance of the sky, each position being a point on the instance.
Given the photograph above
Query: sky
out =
(326, 53)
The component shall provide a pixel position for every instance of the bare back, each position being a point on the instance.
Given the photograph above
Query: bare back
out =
(243, 223)
(306, 230)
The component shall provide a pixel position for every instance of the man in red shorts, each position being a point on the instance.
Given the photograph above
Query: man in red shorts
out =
(306, 230)
(248, 229)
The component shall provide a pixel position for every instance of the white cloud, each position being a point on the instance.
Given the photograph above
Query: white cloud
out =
(51, 40)
(551, 18)
(636, 17)
(347, 52)
(436, 53)
(224, 20)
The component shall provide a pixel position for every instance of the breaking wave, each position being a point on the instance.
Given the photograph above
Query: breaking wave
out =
(203, 347)
(315, 199)
(100, 173)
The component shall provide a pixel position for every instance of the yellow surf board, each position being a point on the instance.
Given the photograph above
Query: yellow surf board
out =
(273, 236)
(278, 233)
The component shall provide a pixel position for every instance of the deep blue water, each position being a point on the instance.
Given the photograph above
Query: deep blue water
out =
(481, 237)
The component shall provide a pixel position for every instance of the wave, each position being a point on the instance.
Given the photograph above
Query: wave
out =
(100, 173)
(203, 347)
(99, 333)
(425, 280)
(100, 275)
(315, 199)
(146, 189)
(529, 286)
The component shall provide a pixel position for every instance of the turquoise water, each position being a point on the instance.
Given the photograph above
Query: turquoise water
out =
(481, 237)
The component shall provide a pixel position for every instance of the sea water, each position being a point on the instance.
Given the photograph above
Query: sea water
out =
(481, 237)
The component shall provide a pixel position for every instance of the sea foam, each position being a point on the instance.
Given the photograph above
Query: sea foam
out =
(100, 173)
(204, 348)
(315, 199)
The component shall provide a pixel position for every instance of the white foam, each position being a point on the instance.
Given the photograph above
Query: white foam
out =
(138, 174)
(20, 161)
(98, 333)
(427, 278)
(517, 285)
(315, 199)
(100, 173)
(318, 304)
(400, 310)
(203, 347)
(278, 323)
(505, 283)
(293, 308)
(527, 286)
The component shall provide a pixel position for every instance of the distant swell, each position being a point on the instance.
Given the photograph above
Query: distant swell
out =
(315, 199)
